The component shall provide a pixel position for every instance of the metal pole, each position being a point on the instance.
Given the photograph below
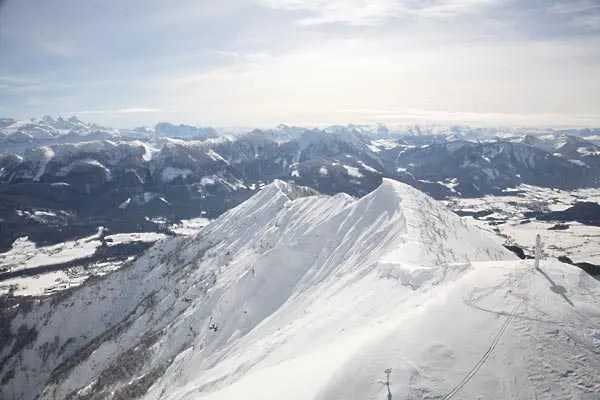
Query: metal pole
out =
(538, 251)
(387, 383)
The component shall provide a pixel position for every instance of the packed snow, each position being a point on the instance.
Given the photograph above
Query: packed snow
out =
(301, 296)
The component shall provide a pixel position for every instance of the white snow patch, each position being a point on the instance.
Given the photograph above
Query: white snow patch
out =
(170, 173)
(149, 151)
(353, 171)
(367, 167)
(373, 148)
(215, 156)
(148, 237)
(208, 180)
(125, 204)
(24, 254)
(386, 144)
(190, 227)
(43, 157)
(84, 163)
(44, 213)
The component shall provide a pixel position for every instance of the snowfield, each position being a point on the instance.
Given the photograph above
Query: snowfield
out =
(24, 255)
(301, 296)
(507, 219)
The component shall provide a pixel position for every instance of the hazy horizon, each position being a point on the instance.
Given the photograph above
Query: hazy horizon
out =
(241, 128)
(310, 63)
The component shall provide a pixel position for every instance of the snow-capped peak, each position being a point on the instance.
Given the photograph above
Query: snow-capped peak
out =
(299, 295)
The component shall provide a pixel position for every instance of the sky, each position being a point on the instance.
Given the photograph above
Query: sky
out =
(259, 63)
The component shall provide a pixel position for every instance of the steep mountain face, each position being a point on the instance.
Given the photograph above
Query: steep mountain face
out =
(76, 171)
(96, 181)
(564, 145)
(306, 296)
(183, 131)
(488, 167)
(585, 212)
(331, 160)
(45, 128)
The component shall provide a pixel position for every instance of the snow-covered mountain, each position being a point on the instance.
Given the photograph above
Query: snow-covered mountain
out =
(303, 296)
(476, 168)
(46, 127)
(438, 164)
(118, 178)
(183, 131)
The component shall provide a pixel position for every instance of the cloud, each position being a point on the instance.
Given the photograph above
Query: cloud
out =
(574, 7)
(411, 116)
(373, 12)
(582, 14)
(357, 12)
(131, 110)
(14, 84)
(261, 62)
(16, 80)
(545, 82)
(55, 48)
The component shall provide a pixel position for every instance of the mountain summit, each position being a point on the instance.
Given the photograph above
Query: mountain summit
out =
(298, 295)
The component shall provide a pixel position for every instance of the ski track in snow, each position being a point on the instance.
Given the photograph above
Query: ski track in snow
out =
(313, 297)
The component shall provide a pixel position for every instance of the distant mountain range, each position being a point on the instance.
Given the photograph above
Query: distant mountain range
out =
(68, 176)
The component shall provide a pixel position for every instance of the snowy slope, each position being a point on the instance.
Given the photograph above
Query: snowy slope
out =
(313, 297)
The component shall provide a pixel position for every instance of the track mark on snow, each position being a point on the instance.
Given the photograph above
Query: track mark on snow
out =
(473, 371)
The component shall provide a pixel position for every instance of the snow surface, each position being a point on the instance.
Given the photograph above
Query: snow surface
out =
(149, 151)
(25, 255)
(313, 297)
(579, 242)
(386, 144)
(170, 173)
(578, 162)
(353, 171)
(43, 157)
(208, 180)
(368, 168)
(125, 204)
(190, 227)
(89, 163)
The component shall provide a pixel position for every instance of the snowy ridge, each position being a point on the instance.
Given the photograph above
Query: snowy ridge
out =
(305, 296)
